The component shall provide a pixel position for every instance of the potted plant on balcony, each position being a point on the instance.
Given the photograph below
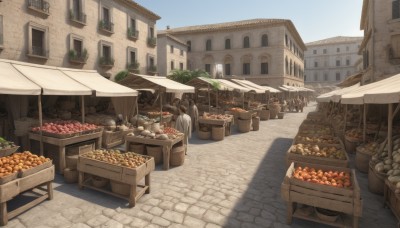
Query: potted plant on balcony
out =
(106, 61)
(152, 41)
(134, 67)
(81, 58)
(133, 33)
(152, 69)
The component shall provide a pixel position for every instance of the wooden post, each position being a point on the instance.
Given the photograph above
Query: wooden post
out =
(345, 119)
(209, 99)
(216, 105)
(243, 100)
(83, 108)
(161, 106)
(40, 123)
(390, 129)
(365, 122)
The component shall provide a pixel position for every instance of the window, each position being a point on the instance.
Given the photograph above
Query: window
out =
(347, 48)
(314, 52)
(106, 51)
(287, 66)
(181, 52)
(291, 67)
(264, 68)
(286, 40)
(246, 68)
(325, 77)
(337, 62)
(172, 65)
(338, 50)
(38, 40)
(132, 24)
(394, 51)
(246, 42)
(189, 45)
(172, 48)
(227, 43)
(78, 47)
(227, 69)
(151, 32)
(151, 61)
(208, 45)
(338, 76)
(181, 66)
(133, 64)
(347, 62)
(77, 13)
(325, 51)
(395, 9)
(315, 64)
(264, 40)
(1, 31)
(132, 31)
(132, 55)
(208, 68)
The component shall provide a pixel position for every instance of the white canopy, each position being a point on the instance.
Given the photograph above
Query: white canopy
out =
(389, 93)
(271, 90)
(51, 80)
(102, 86)
(137, 81)
(250, 85)
(233, 85)
(336, 95)
(13, 82)
(203, 82)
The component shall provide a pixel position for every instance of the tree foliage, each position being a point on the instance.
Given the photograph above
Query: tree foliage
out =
(183, 76)
(121, 75)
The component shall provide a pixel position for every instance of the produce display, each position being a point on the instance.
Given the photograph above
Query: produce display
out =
(370, 148)
(323, 177)
(20, 162)
(4, 144)
(216, 116)
(323, 139)
(158, 113)
(165, 134)
(115, 157)
(65, 127)
(355, 133)
(237, 110)
(315, 150)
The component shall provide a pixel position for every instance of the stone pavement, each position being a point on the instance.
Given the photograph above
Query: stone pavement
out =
(232, 183)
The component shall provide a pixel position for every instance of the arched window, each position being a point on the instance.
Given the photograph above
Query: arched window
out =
(246, 42)
(246, 60)
(208, 45)
(286, 40)
(287, 66)
(189, 45)
(264, 65)
(291, 67)
(228, 44)
(264, 40)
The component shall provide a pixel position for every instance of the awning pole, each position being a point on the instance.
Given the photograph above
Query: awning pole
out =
(365, 122)
(243, 100)
(161, 107)
(345, 119)
(216, 105)
(390, 126)
(40, 123)
(83, 109)
(209, 99)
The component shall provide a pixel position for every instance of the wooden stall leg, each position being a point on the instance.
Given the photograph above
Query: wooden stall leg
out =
(132, 196)
(3, 214)
(81, 177)
(166, 154)
(355, 222)
(289, 213)
(50, 190)
(98, 142)
(147, 183)
(61, 157)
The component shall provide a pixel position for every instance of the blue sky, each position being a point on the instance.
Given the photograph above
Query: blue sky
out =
(314, 19)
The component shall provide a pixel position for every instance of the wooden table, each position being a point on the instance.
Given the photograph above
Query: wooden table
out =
(166, 145)
(218, 122)
(62, 143)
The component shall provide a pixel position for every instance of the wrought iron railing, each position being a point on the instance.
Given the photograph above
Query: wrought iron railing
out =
(40, 5)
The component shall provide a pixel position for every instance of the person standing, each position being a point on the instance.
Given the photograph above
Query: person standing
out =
(184, 124)
(194, 114)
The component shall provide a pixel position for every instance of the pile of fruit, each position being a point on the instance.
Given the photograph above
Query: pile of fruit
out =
(315, 150)
(20, 162)
(355, 134)
(115, 157)
(158, 113)
(4, 144)
(330, 178)
(216, 116)
(167, 133)
(65, 127)
(370, 148)
(237, 110)
(324, 139)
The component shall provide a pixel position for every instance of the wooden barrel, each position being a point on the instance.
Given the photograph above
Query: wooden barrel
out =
(156, 152)
(256, 123)
(264, 115)
(362, 160)
(376, 181)
(218, 133)
(351, 144)
(245, 115)
(204, 135)
(244, 125)
(177, 156)
(280, 115)
(70, 175)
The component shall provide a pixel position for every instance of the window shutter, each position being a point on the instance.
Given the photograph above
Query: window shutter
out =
(395, 9)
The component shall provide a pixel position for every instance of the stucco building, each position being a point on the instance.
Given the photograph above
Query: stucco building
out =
(105, 35)
(265, 51)
(171, 54)
(380, 48)
(331, 60)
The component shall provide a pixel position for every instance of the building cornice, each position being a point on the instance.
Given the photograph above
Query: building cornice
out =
(171, 37)
(364, 42)
(364, 14)
(140, 8)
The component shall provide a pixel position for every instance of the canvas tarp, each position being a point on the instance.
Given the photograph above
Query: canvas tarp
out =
(250, 85)
(234, 85)
(13, 82)
(136, 81)
(100, 85)
(271, 90)
(203, 83)
(336, 95)
(389, 93)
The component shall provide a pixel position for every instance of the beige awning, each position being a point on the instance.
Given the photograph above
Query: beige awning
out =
(272, 90)
(250, 85)
(136, 81)
(203, 83)
(100, 85)
(336, 95)
(233, 85)
(13, 82)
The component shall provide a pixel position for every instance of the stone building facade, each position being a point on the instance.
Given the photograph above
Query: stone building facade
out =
(329, 61)
(104, 35)
(380, 48)
(171, 54)
(265, 51)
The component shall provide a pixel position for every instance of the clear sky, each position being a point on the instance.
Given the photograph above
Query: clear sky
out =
(314, 19)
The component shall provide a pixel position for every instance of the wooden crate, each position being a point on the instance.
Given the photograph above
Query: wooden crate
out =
(112, 139)
(392, 200)
(347, 201)
(80, 148)
(292, 157)
(129, 176)
(297, 139)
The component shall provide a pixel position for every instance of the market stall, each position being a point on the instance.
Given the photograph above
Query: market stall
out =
(215, 126)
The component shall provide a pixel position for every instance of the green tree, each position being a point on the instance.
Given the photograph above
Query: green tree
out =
(183, 76)
(121, 75)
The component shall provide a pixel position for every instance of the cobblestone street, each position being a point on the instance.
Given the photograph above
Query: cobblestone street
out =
(232, 183)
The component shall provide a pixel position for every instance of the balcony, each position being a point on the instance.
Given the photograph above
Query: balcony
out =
(134, 67)
(106, 62)
(78, 58)
(152, 41)
(39, 6)
(133, 34)
(38, 52)
(106, 26)
(78, 17)
(152, 70)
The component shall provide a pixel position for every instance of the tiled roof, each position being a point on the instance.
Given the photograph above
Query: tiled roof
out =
(172, 38)
(335, 40)
(141, 9)
(259, 22)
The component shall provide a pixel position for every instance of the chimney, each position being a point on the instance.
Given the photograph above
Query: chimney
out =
(167, 27)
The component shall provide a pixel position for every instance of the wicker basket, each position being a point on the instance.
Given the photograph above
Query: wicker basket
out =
(228, 130)
(256, 123)
(99, 182)
(245, 115)
(204, 135)
(244, 125)
(362, 160)
(264, 114)
(280, 115)
(137, 148)
(120, 188)
(376, 181)
(351, 144)
(71, 161)
(156, 152)
(70, 175)
(273, 113)
(177, 156)
(218, 133)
